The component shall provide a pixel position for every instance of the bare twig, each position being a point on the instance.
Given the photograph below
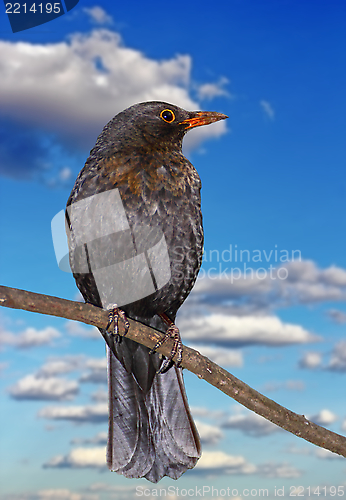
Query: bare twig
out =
(192, 360)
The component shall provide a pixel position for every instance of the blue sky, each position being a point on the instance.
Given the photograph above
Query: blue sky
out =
(273, 181)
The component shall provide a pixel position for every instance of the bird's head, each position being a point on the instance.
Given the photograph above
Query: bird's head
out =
(153, 124)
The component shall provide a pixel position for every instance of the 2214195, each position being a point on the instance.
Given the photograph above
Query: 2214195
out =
(40, 8)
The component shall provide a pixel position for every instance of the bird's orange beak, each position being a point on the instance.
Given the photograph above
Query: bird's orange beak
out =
(203, 118)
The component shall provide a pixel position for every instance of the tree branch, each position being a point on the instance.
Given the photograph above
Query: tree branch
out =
(192, 360)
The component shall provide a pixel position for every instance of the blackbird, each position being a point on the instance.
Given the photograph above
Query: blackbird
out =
(135, 233)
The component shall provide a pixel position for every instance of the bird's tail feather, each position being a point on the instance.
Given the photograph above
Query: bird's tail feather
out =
(151, 434)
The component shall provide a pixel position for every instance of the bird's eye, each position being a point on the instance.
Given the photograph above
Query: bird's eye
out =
(167, 115)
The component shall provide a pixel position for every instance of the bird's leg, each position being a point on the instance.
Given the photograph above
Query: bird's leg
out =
(171, 333)
(113, 318)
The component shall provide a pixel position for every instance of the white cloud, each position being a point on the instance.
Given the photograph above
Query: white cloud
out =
(210, 463)
(85, 81)
(30, 337)
(324, 417)
(52, 494)
(62, 178)
(250, 424)
(284, 470)
(337, 316)
(334, 276)
(209, 434)
(337, 360)
(39, 388)
(314, 451)
(97, 371)
(294, 385)
(218, 462)
(93, 457)
(100, 396)
(94, 377)
(64, 494)
(290, 385)
(299, 450)
(117, 491)
(211, 90)
(311, 360)
(57, 365)
(233, 330)
(268, 109)
(60, 365)
(98, 15)
(3, 366)
(80, 414)
(46, 385)
(220, 356)
(65, 174)
(327, 455)
(200, 411)
(99, 438)
(76, 329)
(96, 363)
(286, 284)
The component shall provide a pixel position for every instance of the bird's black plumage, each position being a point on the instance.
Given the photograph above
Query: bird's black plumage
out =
(136, 237)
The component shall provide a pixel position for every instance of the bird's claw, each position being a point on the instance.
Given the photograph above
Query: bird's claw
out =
(113, 318)
(171, 333)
